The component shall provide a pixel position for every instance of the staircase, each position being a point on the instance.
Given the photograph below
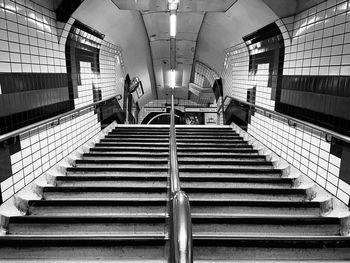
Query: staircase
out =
(244, 210)
(112, 205)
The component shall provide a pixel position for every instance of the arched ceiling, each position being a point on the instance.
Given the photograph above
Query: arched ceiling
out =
(205, 29)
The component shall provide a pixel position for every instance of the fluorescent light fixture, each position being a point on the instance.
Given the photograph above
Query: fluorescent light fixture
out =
(173, 25)
(173, 4)
(172, 78)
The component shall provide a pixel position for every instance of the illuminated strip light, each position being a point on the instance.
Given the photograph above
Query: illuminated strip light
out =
(173, 25)
(172, 83)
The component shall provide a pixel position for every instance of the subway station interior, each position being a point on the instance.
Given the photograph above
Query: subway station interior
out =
(175, 131)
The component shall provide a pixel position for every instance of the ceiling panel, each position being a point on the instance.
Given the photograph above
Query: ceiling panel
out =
(185, 49)
(160, 49)
(185, 5)
(157, 25)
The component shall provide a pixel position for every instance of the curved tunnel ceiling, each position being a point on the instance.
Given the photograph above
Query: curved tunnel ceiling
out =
(142, 31)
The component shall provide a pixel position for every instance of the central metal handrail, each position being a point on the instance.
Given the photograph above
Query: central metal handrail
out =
(329, 134)
(180, 214)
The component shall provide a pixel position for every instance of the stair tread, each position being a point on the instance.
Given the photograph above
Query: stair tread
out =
(96, 202)
(104, 188)
(157, 168)
(82, 237)
(88, 218)
(112, 178)
(278, 218)
(245, 189)
(277, 203)
(127, 161)
(222, 178)
(272, 237)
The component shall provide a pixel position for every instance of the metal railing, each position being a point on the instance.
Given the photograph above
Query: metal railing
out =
(54, 119)
(329, 134)
(180, 214)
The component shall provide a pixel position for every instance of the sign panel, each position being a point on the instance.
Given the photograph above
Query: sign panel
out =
(201, 110)
(148, 110)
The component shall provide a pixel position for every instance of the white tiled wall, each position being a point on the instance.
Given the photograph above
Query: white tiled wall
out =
(235, 78)
(305, 149)
(112, 71)
(44, 147)
(29, 39)
(317, 42)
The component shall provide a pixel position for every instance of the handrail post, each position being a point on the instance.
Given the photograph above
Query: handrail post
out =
(180, 214)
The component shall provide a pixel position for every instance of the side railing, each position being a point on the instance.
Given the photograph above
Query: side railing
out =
(54, 120)
(328, 134)
(180, 214)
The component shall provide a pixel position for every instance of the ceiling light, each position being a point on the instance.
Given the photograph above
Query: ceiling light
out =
(172, 79)
(173, 25)
(173, 4)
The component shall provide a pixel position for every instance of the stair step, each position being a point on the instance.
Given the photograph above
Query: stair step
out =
(209, 182)
(87, 225)
(132, 144)
(231, 179)
(121, 178)
(203, 133)
(97, 207)
(118, 171)
(104, 193)
(243, 190)
(127, 147)
(146, 132)
(134, 140)
(204, 129)
(254, 207)
(111, 181)
(215, 136)
(225, 162)
(126, 150)
(125, 155)
(119, 159)
(141, 128)
(235, 194)
(215, 146)
(108, 162)
(83, 248)
(268, 225)
(249, 248)
(219, 159)
(215, 170)
(136, 136)
(210, 141)
(222, 151)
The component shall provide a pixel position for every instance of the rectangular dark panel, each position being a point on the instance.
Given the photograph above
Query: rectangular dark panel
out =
(340, 125)
(21, 82)
(330, 85)
(21, 119)
(24, 101)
